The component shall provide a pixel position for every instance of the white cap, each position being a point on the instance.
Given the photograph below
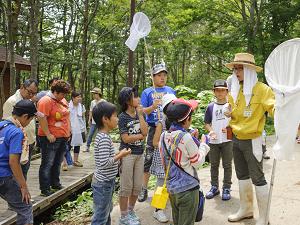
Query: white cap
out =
(166, 99)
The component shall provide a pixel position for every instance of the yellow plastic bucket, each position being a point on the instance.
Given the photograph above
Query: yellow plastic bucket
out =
(160, 198)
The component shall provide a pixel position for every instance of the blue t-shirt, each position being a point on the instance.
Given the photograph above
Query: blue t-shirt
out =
(147, 98)
(11, 139)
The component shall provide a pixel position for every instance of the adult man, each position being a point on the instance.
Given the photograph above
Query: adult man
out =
(28, 90)
(249, 100)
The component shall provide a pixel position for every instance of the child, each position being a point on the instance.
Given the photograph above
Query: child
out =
(220, 147)
(13, 143)
(186, 156)
(97, 96)
(133, 130)
(106, 162)
(151, 101)
(156, 167)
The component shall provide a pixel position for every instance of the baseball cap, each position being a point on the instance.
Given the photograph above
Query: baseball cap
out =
(159, 68)
(166, 99)
(96, 91)
(25, 106)
(220, 84)
(179, 109)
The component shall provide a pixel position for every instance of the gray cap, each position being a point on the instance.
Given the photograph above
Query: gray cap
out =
(159, 68)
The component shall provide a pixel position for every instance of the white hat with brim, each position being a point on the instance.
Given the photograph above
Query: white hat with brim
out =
(245, 59)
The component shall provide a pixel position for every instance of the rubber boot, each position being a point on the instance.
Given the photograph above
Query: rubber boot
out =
(262, 193)
(246, 202)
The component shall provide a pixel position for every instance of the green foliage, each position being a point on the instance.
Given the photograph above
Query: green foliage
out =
(269, 127)
(203, 97)
(76, 210)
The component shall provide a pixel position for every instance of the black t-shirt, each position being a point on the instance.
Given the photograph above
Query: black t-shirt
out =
(131, 126)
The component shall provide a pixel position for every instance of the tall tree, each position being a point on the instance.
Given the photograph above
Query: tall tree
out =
(34, 9)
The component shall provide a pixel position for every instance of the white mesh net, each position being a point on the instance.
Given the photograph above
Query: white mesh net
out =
(282, 72)
(139, 28)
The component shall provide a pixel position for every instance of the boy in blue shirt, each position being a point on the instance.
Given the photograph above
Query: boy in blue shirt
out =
(13, 143)
(151, 102)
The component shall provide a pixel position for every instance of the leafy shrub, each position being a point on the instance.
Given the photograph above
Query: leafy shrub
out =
(203, 97)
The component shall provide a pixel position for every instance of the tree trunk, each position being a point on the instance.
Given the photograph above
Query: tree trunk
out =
(13, 11)
(34, 9)
(84, 53)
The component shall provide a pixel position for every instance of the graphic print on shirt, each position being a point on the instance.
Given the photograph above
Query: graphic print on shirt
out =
(219, 114)
(159, 96)
(133, 128)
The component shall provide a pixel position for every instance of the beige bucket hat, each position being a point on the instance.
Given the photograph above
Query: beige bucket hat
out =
(244, 59)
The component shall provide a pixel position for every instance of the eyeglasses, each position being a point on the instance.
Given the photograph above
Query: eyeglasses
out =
(30, 92)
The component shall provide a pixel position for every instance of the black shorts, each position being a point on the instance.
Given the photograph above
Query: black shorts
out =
(149, 150)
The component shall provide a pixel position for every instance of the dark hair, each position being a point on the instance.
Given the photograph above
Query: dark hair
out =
(23, 107)
(28, 82)
(52, 80)
(61, 86)
(174, 121)
(103, 109)
(75, 94)
(127, 94)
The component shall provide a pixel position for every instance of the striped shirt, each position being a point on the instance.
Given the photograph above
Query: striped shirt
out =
(106, 167)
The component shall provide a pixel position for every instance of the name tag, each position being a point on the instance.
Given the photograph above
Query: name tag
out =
(247, 112)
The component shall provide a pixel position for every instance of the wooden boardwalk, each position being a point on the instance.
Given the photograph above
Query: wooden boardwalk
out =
(73, 179)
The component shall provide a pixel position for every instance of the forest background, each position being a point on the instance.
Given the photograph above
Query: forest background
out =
(82, 41)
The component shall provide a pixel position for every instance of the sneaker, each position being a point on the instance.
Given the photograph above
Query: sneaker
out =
(160, 216)
(298, 139)
(64, 167)
(77, 164)
(56, 188)
(226, 194)
(132, 214)
(127, 220)
(143, 195)
(212, 192)
(46, 193)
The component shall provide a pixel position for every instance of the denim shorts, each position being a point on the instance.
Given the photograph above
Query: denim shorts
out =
(10, 191)
(103, 205)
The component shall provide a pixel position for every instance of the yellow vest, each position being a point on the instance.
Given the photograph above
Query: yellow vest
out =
(262, 101)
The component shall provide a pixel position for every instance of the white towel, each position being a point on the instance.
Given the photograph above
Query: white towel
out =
(250, 80)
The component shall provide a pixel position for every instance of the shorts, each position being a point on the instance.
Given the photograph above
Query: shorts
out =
(131, 175)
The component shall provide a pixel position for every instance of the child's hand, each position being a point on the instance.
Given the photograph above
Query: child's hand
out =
(156, 102)
(195, 133)
(124, 152)
(140, 110)
(203, 139)
(142, 137)
(224, 130)
(213, 135)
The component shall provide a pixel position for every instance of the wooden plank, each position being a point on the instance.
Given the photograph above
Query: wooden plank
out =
(73, 179)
